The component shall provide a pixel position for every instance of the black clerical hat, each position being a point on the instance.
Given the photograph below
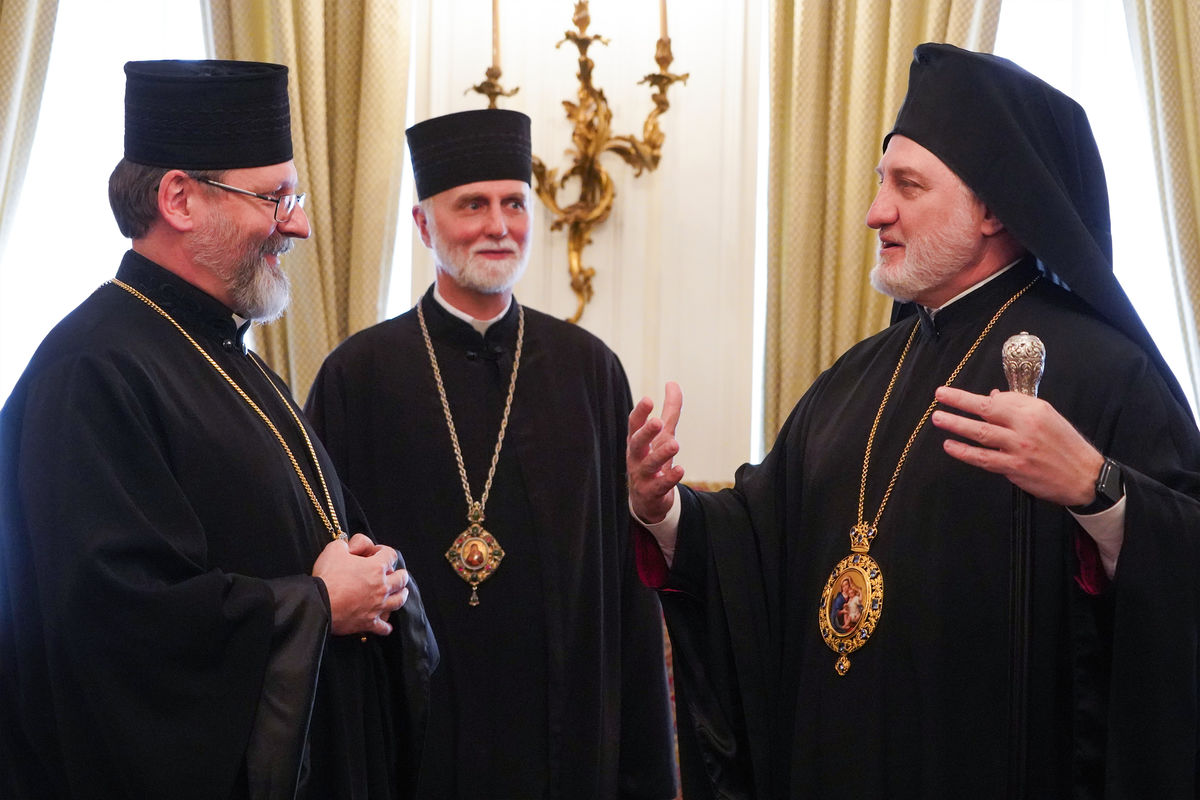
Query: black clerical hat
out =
(1027, 151)
(1024, 147)
(207, 114)
(490, 144)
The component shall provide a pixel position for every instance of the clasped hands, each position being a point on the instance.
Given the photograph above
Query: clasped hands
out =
(1020, 437)
(364, 584)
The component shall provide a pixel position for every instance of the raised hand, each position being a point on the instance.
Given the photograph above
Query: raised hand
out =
(650, 451)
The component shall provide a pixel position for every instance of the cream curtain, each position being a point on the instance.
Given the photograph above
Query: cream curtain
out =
(26, 30)
(1165, 35)
(839, 70)
(348, 85)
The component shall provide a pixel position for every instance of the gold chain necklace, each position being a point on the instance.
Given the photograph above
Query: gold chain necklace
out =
(330, 519)
(475, 554)
(852, 599)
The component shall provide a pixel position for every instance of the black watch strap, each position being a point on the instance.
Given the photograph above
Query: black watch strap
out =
(1110, 487)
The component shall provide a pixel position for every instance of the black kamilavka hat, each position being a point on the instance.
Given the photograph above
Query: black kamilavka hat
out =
(207, 114)
(489, 144)
(1027, 151)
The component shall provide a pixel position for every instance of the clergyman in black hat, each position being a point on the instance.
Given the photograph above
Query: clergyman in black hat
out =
(187, 607)
(845, 620)
(484, 439)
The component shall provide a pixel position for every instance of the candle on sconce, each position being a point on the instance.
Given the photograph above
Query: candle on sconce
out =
(662, 19)
(496, 34)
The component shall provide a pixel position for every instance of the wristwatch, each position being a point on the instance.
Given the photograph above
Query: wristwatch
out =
(1110, 487)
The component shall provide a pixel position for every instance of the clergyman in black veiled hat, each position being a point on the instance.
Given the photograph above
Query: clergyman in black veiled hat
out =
(486, 439)
(187, 605)
(934, 586)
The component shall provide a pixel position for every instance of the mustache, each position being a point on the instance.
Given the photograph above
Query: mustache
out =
(277, 245)
(505, 245)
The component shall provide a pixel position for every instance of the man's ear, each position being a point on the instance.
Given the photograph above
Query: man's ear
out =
(991, 224)
(177, 197)
(422, 225)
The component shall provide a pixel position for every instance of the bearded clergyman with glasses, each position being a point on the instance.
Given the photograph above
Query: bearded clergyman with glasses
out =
(188, 605)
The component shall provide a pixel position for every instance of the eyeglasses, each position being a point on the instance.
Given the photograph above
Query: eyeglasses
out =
(285, 204)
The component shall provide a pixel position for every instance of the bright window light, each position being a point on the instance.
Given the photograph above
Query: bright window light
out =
(400, 291)
(1082, 48)
(64, 242)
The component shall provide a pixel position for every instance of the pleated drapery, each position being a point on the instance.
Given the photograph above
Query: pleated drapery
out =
(26, 31)
(1165, 37)
(347, 86)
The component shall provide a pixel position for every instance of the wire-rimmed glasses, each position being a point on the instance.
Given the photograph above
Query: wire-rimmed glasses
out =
(285, 204)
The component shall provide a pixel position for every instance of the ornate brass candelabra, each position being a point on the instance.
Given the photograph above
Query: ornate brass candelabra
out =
(491, 87)
(591, 138)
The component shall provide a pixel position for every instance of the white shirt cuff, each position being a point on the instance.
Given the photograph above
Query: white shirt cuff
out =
(1107, 529)
(666, 531)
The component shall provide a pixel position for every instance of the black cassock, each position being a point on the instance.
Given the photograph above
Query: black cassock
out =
(160, 632)
(553, 686)
(922, 711)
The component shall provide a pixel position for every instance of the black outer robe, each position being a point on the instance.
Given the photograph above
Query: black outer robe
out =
(922, 712)
(160, 633)
(554, 685)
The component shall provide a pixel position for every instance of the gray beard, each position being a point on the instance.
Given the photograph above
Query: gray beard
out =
(258, 292)
(261, 292)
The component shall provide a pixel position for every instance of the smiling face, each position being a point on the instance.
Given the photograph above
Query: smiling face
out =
(240, 243)
(936, 238)
(479, 234)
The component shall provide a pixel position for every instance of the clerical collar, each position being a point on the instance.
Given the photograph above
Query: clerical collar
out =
(191, 306)
(961, 314)
(480, 325)
(932, 312)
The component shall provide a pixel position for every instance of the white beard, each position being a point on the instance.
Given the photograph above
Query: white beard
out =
(474, 272)
(930, 260)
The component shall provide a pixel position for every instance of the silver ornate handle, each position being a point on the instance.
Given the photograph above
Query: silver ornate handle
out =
(1024, 358)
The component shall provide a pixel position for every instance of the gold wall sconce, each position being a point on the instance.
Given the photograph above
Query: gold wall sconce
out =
(591, 138)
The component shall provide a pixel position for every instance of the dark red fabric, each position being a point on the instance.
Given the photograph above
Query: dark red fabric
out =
(1091, 577)
(651, 565)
